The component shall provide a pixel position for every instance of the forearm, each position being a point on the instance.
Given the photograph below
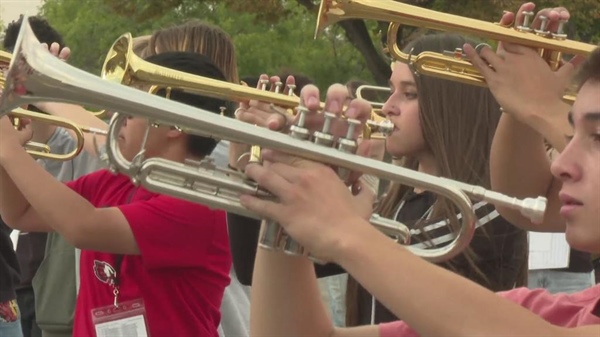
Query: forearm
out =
(460, 307)
(80, 117)
(285, 298)
(13, 204)
(56, 204)
(519, 167)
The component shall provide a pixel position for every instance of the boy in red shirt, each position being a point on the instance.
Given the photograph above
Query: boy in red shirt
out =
(163, 261)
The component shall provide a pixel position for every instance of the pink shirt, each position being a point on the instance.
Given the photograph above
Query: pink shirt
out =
(565, 310)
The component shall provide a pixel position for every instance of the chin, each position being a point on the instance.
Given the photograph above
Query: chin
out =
(583, 240)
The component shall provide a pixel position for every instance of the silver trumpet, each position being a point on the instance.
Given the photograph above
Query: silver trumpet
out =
(35, 75)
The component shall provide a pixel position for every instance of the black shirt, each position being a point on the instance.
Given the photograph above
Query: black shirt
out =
(30, 254)
(501, 254)
(9, 267)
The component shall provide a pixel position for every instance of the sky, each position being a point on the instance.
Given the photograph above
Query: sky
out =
(11, 9)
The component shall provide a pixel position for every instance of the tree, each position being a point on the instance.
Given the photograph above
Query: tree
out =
(350, 48)
(584, 25)
(261, 46)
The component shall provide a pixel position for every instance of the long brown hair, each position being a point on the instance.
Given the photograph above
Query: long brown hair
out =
(198, 37)
(458, 122)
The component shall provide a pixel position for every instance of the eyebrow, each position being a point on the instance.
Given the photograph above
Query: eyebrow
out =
(588, 116)
(592, 116)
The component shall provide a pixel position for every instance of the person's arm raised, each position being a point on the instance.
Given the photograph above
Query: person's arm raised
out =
(534, 113)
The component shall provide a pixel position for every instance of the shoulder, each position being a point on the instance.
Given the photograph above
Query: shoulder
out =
(540, 300)
(180, 210)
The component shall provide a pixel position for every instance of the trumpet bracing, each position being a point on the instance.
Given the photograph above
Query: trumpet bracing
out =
(36, 75)
(452, 64)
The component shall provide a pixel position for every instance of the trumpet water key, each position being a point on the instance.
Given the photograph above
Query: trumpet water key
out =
(36, 75)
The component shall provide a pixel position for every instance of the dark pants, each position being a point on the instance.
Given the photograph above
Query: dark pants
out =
(26, 301)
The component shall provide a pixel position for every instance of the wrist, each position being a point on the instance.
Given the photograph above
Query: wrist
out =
(351, 246)
(552, 124)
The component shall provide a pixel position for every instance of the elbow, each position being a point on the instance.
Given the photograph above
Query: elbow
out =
(16, 221)
(12, 222)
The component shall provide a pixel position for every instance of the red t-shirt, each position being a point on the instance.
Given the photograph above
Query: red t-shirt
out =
(564, 310)
(183, 268)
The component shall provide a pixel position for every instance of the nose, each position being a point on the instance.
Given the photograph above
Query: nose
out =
(390, 108)
(565, 166)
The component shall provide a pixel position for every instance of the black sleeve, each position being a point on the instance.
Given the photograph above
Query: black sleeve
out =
(243, 239)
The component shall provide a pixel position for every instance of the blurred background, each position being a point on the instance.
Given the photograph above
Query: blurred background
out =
(270, 35)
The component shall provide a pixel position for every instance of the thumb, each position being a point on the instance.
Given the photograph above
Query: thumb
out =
(565, 72)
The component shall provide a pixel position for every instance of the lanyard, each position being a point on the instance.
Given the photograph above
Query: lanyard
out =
(119, 262)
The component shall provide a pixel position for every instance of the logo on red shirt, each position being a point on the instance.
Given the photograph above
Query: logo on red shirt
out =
(105, 272)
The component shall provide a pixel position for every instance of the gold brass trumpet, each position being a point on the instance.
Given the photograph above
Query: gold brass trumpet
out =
(452, 64)
(36, 75)
(39, 150)
(123, 66)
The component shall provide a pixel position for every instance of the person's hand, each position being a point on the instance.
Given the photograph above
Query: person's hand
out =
(313, 206)
(263, 114)
(55, 49)
(520, 80)
(260, 114)
(11, 139)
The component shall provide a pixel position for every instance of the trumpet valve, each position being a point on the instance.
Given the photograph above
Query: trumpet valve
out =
(348, 145)
(263, 84)
(324, 137)
(525, 27)
(543, 31)
(298, 130)
(560, 31)
(291, 88)
(278, 86)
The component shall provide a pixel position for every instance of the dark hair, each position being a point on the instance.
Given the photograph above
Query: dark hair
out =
(590, 69)
(41, 28)
(196, 64)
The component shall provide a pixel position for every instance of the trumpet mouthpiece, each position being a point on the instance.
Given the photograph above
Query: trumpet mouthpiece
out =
(534, 209)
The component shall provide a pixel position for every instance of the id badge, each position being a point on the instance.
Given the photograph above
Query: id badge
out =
(126, 320)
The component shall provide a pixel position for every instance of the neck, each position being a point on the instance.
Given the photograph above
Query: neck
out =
(427, 164)
(42, 132)
(176, 153)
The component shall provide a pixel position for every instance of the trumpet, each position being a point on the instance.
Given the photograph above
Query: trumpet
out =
(451, 64)
(5, 58)
(39, 150)
(123, 66)
(35, 75)
(375, 92)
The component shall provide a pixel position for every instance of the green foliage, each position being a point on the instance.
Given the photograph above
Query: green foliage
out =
(90, 27)
(269, 35)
